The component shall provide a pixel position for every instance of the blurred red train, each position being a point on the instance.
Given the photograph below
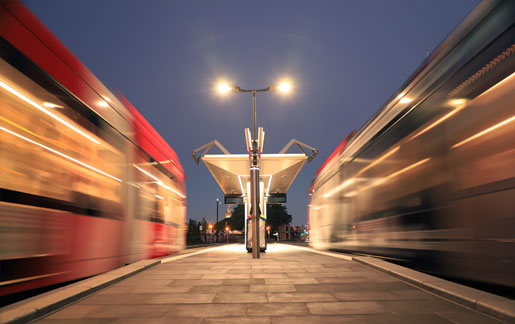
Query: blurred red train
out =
(87, 185)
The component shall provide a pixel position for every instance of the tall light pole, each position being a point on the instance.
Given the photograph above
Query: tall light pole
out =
(254, 159)
(217, 203)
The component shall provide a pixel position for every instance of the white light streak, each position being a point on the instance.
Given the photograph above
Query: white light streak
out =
(378, 160)
(488, 130)
(44, 110)
(51, 105)
(416, 164)
(159, 182)
(241, 186)
(60, 154)
(339, 188)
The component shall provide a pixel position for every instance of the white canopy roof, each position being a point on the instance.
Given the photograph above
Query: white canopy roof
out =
(277, 171)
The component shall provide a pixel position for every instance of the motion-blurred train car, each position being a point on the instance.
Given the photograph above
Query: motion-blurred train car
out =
(430, 178)
(87, 185)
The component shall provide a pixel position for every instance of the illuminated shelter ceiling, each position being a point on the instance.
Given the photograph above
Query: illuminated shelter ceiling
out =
(277, 171)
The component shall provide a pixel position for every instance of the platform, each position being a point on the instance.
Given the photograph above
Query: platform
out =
(288, 284)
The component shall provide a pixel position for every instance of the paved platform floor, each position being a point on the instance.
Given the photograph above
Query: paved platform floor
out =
(286, 285)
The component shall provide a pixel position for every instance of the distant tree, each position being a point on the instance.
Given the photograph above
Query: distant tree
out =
(277, 215)
(193, 235)
(203, 225)
(235, 222)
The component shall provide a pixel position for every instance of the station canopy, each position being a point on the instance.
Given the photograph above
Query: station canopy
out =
(277, 171)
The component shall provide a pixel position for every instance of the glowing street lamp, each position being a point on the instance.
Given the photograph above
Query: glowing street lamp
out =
(284, 87)
(224, 87)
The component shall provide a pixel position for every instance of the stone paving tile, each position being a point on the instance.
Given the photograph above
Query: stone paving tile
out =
(364, 295)
(114, 289)
(73, 311)
(267, 267)
(237, 320)
(381, 286)
(272, 288)
(467, 318)
(144, 290)
(256, 281)
(278, 309)
(211, 288)
(79, 321)
(352, 307)
(413, 294)
(326, 287)
(402, 319)
(111, 311)
(181, 320)
(229, 267)
(355, 279)
(269, 275)
(309, 274)
(284, 270)
(299, 297)
(140, 299)
(324, 270)
(420, 306)
(361, 319)
(315, 320)
(207, 310)
(244, 271)
(181, 271)
(227, 276)
(292, 281)
(200, 282)
(230, 297)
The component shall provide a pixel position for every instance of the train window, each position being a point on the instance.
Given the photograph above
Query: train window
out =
(49, 159)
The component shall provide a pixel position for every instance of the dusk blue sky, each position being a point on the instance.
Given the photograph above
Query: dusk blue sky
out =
(344, 58)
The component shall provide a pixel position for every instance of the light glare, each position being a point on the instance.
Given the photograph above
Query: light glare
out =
(284, 87)
(458, 102)
(223, 88)
(51, 105)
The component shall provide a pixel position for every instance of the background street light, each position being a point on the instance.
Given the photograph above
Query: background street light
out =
(254, 168)
(210, 228)
(217, 203)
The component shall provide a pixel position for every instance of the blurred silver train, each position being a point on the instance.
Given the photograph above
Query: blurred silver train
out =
(430, 178)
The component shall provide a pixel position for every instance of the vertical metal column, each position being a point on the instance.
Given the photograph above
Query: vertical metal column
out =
(254, 186)
(217, 203)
